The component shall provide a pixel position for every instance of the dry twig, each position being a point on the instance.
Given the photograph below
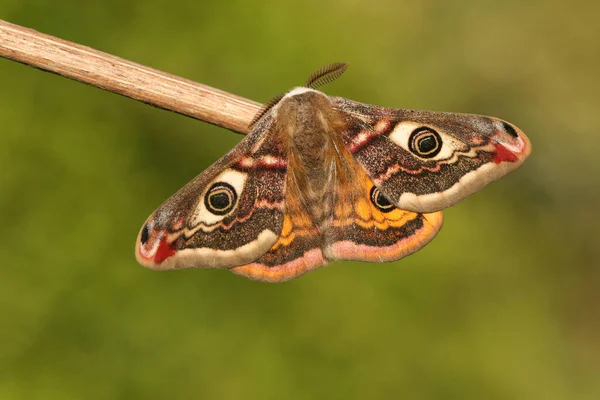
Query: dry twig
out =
(127, 78)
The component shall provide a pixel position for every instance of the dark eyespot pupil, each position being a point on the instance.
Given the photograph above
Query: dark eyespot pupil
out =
(510, 129)
(220, 199)
(426, 143)
(382, 201)
(145, 234)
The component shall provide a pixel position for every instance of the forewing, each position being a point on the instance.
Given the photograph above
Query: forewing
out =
(229, 215)
(426, 161)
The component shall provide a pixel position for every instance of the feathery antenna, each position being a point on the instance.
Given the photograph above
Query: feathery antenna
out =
(265, 109)
(326, 74)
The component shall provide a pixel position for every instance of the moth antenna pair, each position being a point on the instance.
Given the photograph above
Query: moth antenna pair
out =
(320, 77)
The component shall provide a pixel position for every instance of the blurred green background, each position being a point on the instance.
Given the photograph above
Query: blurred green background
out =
(504, 304)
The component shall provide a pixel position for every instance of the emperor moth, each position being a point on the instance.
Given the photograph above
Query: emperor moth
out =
(322, 178)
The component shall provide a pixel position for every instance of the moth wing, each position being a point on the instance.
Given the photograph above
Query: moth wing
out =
(366, 227)
(229, 215)
(425, 161)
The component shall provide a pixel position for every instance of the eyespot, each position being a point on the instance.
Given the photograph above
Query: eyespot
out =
(425, 142)
(380, 201)
(220, 198)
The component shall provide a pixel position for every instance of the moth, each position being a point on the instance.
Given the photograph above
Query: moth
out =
(322, 178)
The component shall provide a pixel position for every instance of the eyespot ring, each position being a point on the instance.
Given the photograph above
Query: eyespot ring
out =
(425, 142)
(380, 201)
(220, 199)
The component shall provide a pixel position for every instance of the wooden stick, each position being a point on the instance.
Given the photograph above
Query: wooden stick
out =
(127, 78)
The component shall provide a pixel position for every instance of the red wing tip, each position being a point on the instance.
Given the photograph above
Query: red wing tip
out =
(152, 248)
(511, 144)
(504, 155)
